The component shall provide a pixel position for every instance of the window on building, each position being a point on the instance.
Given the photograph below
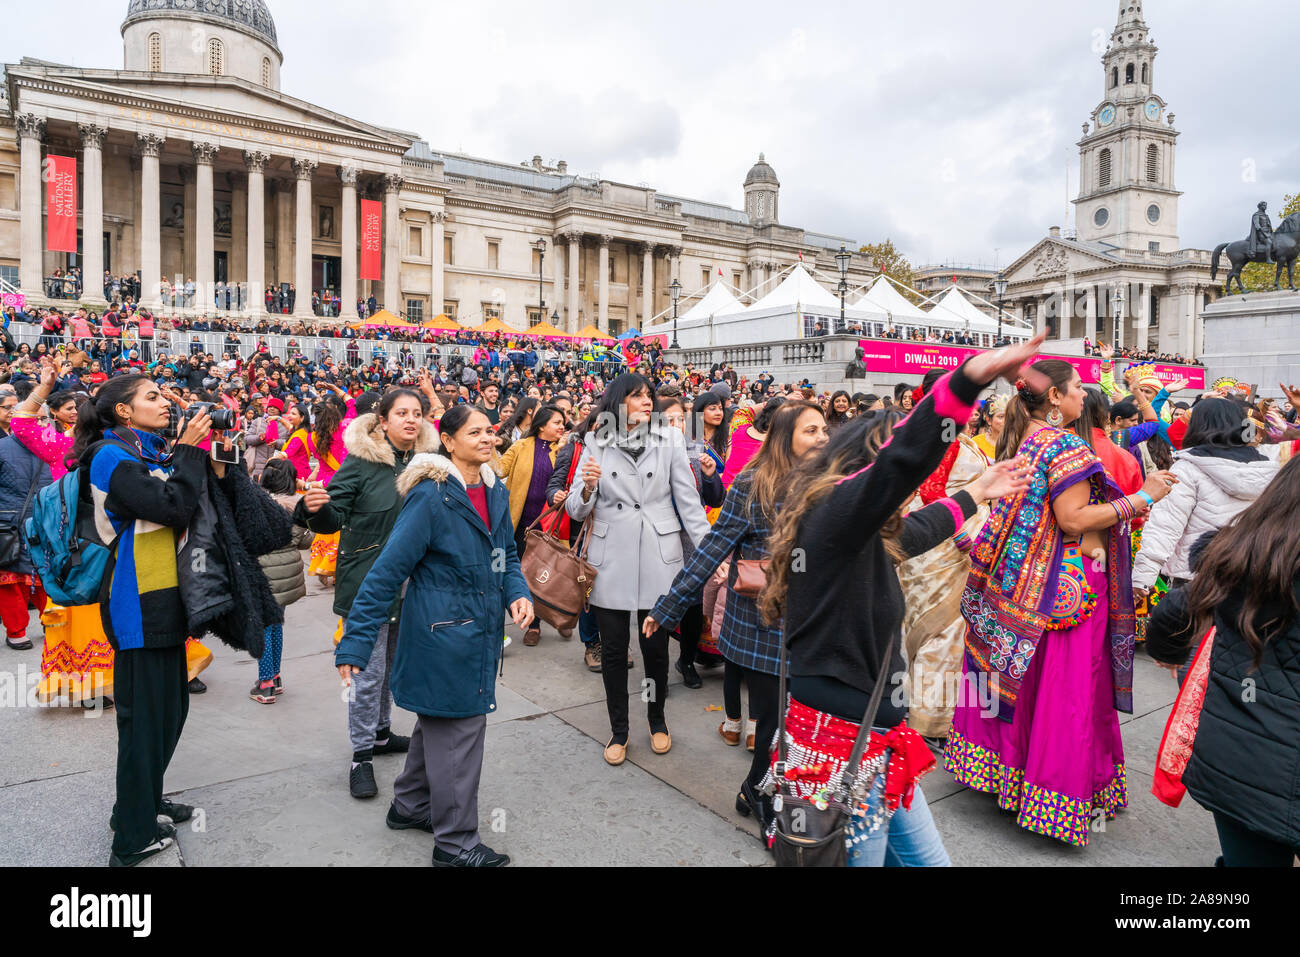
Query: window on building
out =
(216, 57)
(447, 250)
(1114, 77)
(449, 308)
(1144, 73)
(1153, 163)
(1103, 168)
(1154, 247)
(155, 53)
(705, 271)
(266, 71)
(537, 260)
(735, 279)
(494, 256)
(491, 310)
(415, 242)
(9, 274)
(1128, 73)
(8, 195)
(415, 310)
(534, 317)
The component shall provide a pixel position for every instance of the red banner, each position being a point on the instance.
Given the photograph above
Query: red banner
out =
(61, 202)
(372, 237)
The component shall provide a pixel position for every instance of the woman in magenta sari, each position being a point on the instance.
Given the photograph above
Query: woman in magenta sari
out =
(1049, 615)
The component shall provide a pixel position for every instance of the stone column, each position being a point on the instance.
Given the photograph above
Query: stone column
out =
(92, 215)
(283, 232)
(348, 269)
(1187, 314)
(150, 219)
(1141, 310)
(303, 168)
(188, 261)
(602, 301)
(557, 279)
(1040, 321)
(31, 263)
(392, 245)
(575, 250)
(204, 242)
(1090, 314)
(438, 287)
(255, 302)
(647, 283)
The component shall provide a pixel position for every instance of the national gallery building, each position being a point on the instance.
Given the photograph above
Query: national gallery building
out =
(191, 164)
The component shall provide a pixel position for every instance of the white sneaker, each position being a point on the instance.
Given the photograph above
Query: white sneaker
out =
(505, 642)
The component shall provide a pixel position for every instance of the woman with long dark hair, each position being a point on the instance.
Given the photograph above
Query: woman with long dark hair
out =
(839, 410)
(1049, 597)
(631, 476)
(797, 431)
(710, 422)
(147, 494)
(516, 425)
(832, 580)
(1245, 760)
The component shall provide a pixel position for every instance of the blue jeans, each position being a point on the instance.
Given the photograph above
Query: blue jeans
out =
(587, 629)
(908, 839)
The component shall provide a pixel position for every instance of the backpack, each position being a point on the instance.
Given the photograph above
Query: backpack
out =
(71, 558)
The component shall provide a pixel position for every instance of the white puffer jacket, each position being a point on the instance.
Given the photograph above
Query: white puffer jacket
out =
(1212, 489)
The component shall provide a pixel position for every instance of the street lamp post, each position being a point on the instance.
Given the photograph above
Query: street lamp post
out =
(675, 291)
(842, 259)
(540, 246)
(1000, 288)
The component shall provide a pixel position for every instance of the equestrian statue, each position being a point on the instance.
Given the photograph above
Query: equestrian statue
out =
(1263, 245)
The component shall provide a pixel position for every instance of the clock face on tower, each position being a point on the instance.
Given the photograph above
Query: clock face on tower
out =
(1153, 110)
(1107, 115)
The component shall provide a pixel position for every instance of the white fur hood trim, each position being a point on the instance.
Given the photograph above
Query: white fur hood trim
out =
(439, 468)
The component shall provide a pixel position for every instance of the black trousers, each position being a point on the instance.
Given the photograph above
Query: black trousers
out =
(614, 628)
(152, 695)
(688, 633)
(1243, 847)
(764, 706)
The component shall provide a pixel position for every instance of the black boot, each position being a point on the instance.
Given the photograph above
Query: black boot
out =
(690, 677)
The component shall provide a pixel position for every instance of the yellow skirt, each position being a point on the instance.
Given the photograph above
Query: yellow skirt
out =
(324, 550)
(77, 659)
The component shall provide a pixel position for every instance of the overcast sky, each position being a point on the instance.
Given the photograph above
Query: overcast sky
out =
(946, 125)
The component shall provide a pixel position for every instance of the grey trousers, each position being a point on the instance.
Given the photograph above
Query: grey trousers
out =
(440, 780)
(370, 706)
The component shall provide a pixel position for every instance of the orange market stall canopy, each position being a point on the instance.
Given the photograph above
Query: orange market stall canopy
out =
(441, 321)
(591, 332)
(385, 318)
(544, 328)
(495, 325)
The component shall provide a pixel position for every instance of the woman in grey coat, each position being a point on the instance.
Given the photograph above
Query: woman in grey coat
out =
(630, 479)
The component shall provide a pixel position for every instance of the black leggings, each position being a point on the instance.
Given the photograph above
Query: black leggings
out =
(614, 625)
(732, 676)
(764, 705)
(688, 633)
(1243, 847)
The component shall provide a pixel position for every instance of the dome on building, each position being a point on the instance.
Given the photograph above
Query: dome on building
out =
(760, 172)
(250, 16)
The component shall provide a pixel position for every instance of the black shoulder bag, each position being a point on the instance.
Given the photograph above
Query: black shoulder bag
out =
(807, 835)
(11, 533)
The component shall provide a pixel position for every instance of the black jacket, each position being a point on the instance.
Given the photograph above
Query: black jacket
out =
(1245, 761)
(224, 589)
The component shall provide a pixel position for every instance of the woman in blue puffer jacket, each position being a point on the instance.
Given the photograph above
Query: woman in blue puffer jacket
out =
(455, 542)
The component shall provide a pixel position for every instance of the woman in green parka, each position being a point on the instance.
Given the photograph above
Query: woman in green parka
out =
(363, 504)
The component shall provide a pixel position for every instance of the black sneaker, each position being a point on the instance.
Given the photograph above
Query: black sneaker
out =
(481, 856)
(361, 780)
(690, 677)
(399, 823)
(396, 744)
(175, 812)
(197, 686)
(90, 704)
(279, 685)
(161, 843)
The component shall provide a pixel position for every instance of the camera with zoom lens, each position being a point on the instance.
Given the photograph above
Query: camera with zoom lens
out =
(222, 418)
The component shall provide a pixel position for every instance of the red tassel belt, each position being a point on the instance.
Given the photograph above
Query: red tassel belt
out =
(819, 745)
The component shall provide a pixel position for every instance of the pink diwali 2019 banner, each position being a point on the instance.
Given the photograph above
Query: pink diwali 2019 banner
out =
(918, 358)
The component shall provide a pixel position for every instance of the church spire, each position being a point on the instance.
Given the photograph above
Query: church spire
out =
(1130, 19)
(1129, 61)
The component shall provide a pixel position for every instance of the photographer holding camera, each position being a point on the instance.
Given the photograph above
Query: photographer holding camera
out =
(148, 495)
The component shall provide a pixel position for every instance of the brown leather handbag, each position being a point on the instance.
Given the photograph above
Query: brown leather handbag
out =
(559, 577)
(748, 576)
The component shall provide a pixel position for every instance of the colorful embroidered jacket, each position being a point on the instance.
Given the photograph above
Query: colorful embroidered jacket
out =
(1015, 567)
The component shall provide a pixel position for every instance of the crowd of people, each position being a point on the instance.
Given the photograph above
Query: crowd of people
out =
(994, 558)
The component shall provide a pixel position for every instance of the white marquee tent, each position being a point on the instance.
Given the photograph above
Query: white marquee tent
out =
(954, 303)
(718, 301)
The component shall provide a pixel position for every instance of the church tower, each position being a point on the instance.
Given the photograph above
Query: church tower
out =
(762, 190)
(1126, 157)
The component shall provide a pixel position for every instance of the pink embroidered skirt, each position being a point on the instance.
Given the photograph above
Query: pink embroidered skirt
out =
(1060, 762)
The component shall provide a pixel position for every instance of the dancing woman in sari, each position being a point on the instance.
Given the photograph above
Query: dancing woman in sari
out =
(1049, 614)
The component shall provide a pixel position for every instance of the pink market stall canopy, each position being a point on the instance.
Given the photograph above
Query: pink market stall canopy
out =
(908, 358)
